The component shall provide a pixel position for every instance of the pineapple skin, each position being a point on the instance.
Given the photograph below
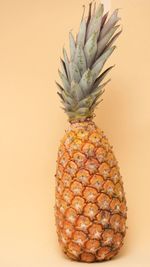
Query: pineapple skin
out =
(90, 207)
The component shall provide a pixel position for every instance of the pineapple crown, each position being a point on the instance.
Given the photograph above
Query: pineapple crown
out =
(81, 75)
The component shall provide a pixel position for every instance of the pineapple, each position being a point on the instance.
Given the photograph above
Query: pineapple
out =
(90, 207)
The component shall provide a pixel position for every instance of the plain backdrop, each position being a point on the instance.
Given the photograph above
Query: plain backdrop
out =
(32, 34)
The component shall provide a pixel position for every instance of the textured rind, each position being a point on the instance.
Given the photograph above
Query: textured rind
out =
(90, 207)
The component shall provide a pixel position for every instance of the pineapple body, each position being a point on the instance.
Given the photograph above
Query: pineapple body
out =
(90, 207)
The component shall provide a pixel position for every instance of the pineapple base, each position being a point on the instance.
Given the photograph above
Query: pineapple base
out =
(90, 208)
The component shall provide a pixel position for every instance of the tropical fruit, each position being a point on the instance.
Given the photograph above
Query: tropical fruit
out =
(90, 207)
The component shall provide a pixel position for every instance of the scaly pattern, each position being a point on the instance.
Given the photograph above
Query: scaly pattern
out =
(90, 201)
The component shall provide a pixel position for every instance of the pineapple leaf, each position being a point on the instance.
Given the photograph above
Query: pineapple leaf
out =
(67, 98)
(104, 19)
(61, 97)
(99, 88)
(94, 10)
(101, 77)
(110, 23)
(89, 16)
(95, 22)
(86, 102)
(66, 60)
(94, 105)
(76, 91)
(103, 42)
(82, 111)
(69, 113)
(64, 81)
(86, 81)
(113, 39)
(98, 65)
(74, 72)
(72, 46)
(82, 33)
(67, 106)
(80, 59)
(90, 48)
(95, 101)
(63, 68)
(59, 87)
(82, 77)
(95, 97)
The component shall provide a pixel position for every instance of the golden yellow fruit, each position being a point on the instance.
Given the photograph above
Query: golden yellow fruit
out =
(90, 205)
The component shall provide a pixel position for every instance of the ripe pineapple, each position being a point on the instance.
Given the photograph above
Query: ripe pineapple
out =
(90, 205)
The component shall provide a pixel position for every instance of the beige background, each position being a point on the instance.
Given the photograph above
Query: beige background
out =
(32, 34)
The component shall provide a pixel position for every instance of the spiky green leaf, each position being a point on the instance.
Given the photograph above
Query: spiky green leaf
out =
(82, 33)
(90, 48)
(76, 91)
(72, 46)
(94, 105)
(80, 59)
(74, 72)
(113, 39)
(104, 18)
(65, 82)
(89, 16)
(86, 102)
(95, 22)
(98, 65)
(70, 114)
(67, 98)
(94, 10)
(99, 88)
(61, 97)
(83, 111)
(60, 88)
(66, 60)
(110, 23)
(63, 68)
(81, 75)
(86, 81)
(103, 42)
(67, 106)
(101, 77)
